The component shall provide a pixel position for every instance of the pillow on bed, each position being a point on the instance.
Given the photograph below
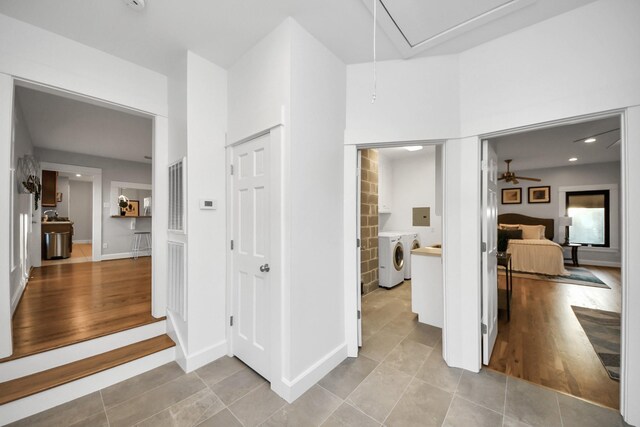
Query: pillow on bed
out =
(509, 226)
(532, 232)
(505, 235)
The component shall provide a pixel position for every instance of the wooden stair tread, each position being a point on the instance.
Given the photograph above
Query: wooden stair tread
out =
(45, 380)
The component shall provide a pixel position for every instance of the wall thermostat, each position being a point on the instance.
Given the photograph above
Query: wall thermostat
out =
(208, 204)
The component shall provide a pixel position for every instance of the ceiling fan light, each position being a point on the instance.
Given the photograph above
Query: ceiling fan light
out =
(590, 140)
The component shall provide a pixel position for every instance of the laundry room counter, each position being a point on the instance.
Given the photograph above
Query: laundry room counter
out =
(427, 292)
(430, 251)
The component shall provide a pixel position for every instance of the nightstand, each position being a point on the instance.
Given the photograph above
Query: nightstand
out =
(574, 252)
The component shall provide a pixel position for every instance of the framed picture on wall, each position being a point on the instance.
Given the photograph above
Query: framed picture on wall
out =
(539, 194)
(133, 209)
(511, 196)
(58, 197)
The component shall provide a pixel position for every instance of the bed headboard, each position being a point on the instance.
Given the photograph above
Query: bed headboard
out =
(514, 218)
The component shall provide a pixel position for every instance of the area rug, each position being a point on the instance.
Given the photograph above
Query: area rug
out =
(603, 330)
(577, 276)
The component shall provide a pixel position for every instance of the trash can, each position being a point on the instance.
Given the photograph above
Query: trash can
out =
(56, 245)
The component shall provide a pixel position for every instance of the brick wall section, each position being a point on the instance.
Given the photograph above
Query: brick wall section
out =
(369, 220)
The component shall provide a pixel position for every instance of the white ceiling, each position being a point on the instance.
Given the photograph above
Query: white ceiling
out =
(223, 30)
(74, 177)
(60, 123)
(552, 147)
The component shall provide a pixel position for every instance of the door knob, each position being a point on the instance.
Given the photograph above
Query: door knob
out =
(265, 268)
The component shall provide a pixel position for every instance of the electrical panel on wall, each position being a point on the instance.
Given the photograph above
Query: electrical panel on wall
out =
(422, 217)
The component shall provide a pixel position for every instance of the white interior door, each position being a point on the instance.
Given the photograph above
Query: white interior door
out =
(250, 326)
(490, 243)
(359, 238)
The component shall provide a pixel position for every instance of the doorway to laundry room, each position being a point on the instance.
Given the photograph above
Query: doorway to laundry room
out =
(400, 227)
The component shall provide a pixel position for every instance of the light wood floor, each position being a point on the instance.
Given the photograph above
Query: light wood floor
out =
(544, 342)
(82, 252)
(69, 303)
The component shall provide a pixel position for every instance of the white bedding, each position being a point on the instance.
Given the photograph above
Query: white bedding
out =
(537, 256)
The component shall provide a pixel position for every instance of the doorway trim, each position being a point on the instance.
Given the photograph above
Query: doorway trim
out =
(96, 206)
(625, 214)
(279, 212)
(352, 268)
(160, 144)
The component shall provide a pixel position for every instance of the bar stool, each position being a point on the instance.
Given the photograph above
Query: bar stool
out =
(137, 242)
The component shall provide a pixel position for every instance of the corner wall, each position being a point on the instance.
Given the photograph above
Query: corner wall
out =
(369, 221)
(206, 243)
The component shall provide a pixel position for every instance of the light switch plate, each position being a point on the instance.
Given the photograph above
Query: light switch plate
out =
(422, 217)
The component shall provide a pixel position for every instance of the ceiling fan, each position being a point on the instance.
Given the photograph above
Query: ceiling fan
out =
(509, 176)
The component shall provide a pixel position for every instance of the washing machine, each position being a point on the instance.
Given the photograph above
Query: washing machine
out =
(410, 241)
(391, 259)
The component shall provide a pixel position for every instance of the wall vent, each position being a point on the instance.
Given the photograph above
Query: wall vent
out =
(177, 272)
(177, 194)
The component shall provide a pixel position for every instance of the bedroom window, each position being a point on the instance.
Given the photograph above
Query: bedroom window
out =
(590, 213)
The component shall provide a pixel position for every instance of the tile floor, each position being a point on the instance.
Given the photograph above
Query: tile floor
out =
(399, 379)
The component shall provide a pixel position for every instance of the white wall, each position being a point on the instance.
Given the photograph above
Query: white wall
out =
(80, 209)
(416, 100)
(22, 146)
(260, 86)
(572, 175)
(558, 68)
(40, 56)
(206, 126)
(116, 232)
(177, 98)
(317, 131)
(413, 184)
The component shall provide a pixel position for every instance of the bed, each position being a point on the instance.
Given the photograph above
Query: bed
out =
(534, 255)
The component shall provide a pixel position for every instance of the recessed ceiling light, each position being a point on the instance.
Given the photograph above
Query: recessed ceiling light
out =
(78, 175)
(413, 147)
(573, 159)
(590, 140)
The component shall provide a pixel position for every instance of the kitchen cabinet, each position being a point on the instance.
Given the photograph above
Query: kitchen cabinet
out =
(49, 188)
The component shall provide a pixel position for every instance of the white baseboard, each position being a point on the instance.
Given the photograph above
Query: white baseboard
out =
(206, 355)
(31, 405)
(82, 241)
(174, 333)
(290, 390)
(61, 356)
(597, 263)
(16, 297)
(122, 255)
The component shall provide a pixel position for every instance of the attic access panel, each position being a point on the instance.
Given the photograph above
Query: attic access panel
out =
(420, 20)
(416, 25)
